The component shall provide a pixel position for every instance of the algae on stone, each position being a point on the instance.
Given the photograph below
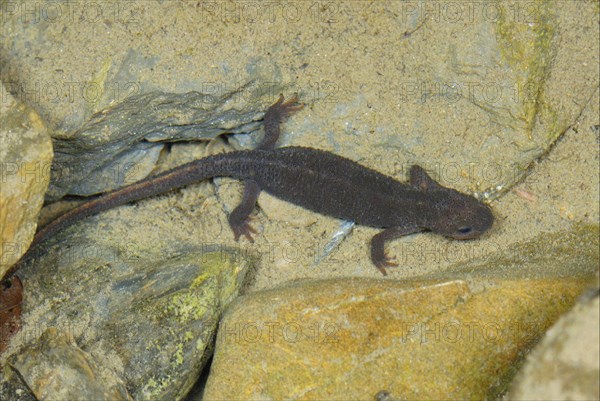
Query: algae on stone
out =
(148, 317)
(525, 34)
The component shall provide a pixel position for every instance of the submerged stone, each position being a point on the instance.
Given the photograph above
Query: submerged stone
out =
(56, 369)
(148, 319)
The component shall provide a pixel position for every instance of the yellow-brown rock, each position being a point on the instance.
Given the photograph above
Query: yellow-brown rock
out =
(351, 339)
(25, 158)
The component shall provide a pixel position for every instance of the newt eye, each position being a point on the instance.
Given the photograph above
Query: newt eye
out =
(464, 230)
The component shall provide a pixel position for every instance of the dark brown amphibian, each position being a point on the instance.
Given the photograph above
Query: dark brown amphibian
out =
(317, 180)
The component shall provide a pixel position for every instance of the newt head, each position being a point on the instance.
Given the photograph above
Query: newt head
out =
(453, 214)
(460, 216)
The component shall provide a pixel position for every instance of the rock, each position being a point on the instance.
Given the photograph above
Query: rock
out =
(56, 369)
(351, 339)
(121, 144)
(565, 365)
(25, 157)
(147, 315)
(13, 388)
(11, 298)
(572, 253)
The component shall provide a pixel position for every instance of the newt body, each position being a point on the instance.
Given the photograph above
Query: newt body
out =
(316, 180)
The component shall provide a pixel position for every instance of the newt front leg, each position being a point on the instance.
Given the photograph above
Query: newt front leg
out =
(378, 255)
(239, 219)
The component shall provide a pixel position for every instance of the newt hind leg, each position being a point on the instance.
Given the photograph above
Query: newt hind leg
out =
(239, 219)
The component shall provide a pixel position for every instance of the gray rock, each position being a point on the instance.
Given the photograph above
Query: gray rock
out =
(97, 156)
(56, 369)
(149, 317)
(13, 388)
(565, 365)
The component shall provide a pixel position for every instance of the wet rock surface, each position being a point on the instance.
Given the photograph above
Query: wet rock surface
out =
(25, 158)
(127, 138)
(57, 369)
(565, 364)
(350, 339)
(148, 321)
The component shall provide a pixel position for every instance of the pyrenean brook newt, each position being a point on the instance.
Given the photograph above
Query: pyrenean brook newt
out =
(316, 180)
